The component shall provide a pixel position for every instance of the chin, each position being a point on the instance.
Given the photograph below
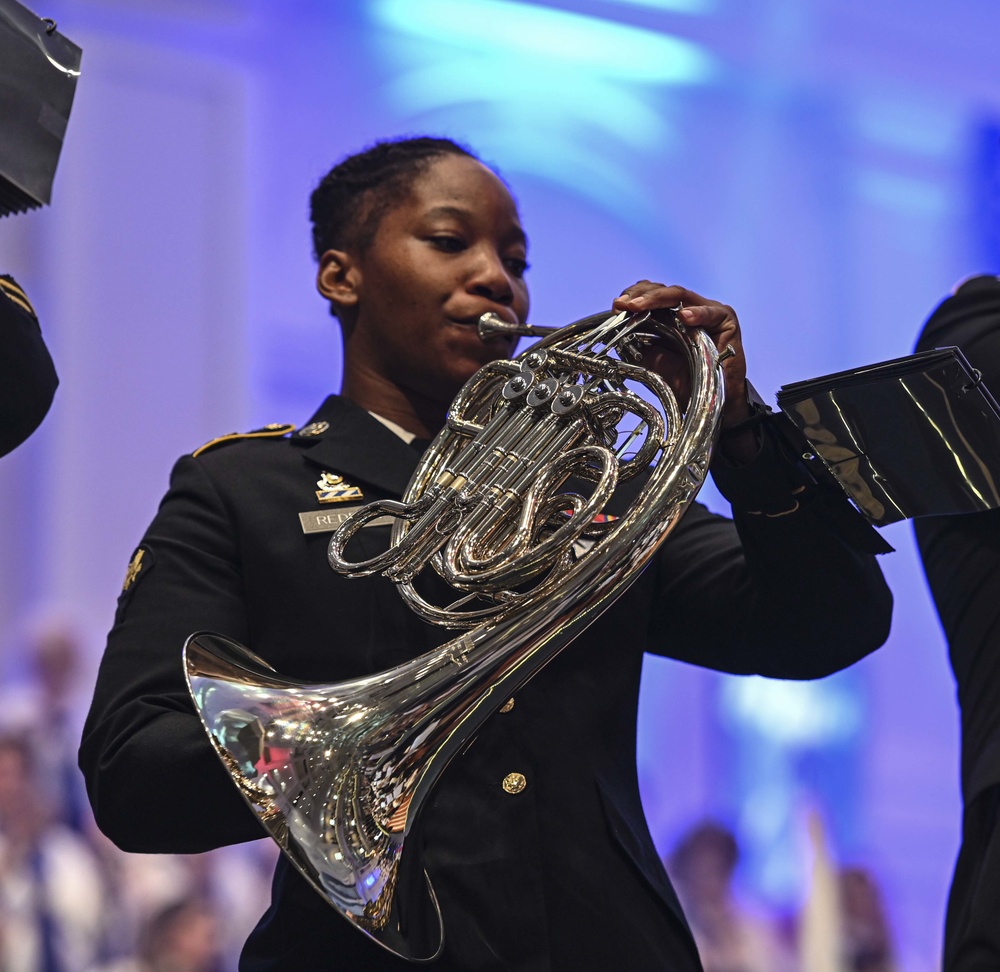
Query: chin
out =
(499, 351)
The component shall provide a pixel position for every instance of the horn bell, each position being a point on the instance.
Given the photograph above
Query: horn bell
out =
(295, 751)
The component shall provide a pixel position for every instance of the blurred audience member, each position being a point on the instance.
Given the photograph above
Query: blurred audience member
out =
(47, 708)
(182, 937)
(730, 937)
(139, 886)
(40, 714)
(843, 926)
(235, 880)
(867, 941)
(51, 893)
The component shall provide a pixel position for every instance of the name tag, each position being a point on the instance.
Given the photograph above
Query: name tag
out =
(326, 521)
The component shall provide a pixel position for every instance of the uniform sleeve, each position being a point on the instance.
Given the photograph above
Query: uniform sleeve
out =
(27, 376)
(779, 590)
(970, 320)
(155, 783)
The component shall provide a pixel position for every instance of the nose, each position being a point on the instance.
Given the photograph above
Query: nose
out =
(491, 279)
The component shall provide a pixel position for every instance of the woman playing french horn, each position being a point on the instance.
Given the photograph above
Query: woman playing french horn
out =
(534, 836)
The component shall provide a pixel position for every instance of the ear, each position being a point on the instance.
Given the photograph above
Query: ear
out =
(339, 278)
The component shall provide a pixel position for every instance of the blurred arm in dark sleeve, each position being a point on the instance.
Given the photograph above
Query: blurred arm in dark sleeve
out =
(961, 554)
(969, 319)
(27, 376)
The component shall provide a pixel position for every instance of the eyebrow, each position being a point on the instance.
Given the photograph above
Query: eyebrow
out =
(457, 212)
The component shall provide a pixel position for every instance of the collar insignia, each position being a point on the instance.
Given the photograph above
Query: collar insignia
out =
(314, 428)
(333, 489)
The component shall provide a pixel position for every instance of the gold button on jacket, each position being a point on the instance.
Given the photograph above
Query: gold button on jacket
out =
(514, 782)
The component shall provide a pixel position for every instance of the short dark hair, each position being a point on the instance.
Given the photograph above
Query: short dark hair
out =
(351, 199)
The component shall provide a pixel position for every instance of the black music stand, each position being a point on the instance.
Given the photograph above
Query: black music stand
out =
(38, 73)
(915, 436)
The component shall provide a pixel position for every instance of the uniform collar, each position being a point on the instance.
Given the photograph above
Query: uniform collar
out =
(356, 444)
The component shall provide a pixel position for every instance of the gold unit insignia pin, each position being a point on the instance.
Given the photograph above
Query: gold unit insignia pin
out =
(333, 489)
(133, 569)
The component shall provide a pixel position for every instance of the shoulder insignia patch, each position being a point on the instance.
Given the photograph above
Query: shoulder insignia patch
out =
(135, 567)
(272, 431)
(15, 293)
(138, 567)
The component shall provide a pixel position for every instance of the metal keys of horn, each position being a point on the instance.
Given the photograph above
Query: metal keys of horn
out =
(506, 506)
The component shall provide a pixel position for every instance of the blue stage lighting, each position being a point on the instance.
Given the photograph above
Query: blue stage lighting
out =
(674, 6)
(556, 38)
(550, 93)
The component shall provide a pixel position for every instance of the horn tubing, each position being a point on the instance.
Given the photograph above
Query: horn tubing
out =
(338, 773)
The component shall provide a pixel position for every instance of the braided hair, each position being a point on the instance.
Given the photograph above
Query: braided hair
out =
(351, 199)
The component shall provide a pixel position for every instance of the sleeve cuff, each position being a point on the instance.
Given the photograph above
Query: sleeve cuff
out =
(776, 485)
(770, 484)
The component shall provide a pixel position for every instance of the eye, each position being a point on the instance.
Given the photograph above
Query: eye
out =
(447, 242)
(516, 265)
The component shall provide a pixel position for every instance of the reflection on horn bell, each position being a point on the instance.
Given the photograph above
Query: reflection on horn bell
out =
(533, 450)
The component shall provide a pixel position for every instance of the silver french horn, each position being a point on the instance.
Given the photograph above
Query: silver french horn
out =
(507, 506)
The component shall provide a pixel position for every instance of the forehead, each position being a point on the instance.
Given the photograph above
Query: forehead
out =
(459, 183)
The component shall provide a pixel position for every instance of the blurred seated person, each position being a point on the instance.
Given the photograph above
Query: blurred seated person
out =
(51, 891)
(961, 557)
(843, 924)
(731, 936)
(47, 705)
(415, 239)
(866, 944)
(181, 937)
(27, 376)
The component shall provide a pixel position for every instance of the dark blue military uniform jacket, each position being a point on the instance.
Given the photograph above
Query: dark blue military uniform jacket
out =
(561, 875)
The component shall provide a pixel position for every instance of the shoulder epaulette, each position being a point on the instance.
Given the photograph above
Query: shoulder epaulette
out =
(13, 290)
(274, 430)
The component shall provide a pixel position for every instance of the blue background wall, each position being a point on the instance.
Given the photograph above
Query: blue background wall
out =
(828, 168)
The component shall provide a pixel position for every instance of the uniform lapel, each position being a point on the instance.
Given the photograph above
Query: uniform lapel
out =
(642, 853)
(357, 446)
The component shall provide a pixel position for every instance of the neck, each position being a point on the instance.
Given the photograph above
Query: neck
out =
(422, 416)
